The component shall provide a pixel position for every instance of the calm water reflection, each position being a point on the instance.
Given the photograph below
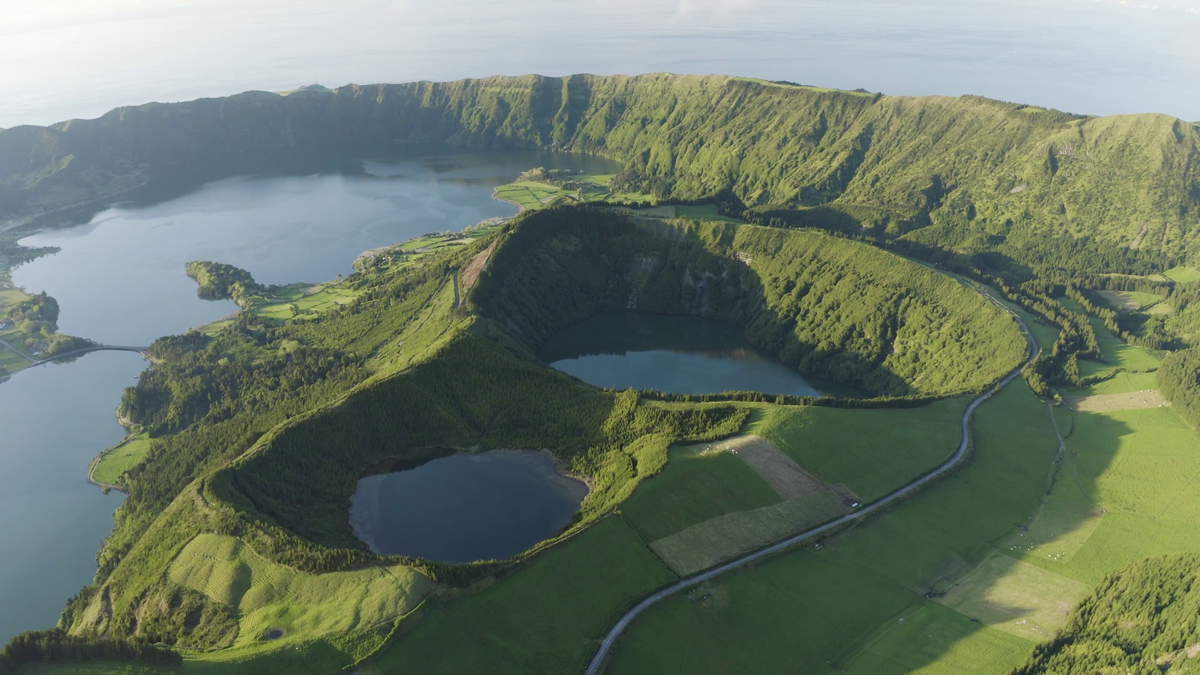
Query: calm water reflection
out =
(119, 278)
(465, 507)
(680, 354)
(53, 420)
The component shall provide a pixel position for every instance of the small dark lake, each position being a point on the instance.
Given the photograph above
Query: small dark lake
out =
(678, 354)
(463, 507)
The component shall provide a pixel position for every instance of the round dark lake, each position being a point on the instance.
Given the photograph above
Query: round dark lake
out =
(678, 354)
(464, 507)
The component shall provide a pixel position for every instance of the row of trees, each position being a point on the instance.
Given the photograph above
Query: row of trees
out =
(1140, 621)
(57, 645)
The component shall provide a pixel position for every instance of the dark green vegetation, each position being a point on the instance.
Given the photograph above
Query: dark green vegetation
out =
(1141, 620)
(1179, 379)
(259, 431)
(30, 323)
(219, 281)
(1022, 187)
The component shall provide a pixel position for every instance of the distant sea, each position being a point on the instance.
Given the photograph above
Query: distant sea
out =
(79, 58)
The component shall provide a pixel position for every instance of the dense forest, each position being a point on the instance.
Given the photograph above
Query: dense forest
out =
(1035, 189)
(1179, 380)
(1142, 620)
(219, 281)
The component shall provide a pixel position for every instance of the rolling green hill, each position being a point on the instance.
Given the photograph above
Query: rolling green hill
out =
(964, 173)
(260, 430)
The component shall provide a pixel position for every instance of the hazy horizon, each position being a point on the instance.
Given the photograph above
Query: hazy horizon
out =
(81, 58)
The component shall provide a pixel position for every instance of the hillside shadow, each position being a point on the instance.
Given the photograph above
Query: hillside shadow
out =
(607, 263)
(1008, 529)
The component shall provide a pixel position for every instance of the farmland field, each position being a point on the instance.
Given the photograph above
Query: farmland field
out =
(858, 601)
(695, 487)
(113, 463)
(540, 618)
(1182, 275)
(843, 446)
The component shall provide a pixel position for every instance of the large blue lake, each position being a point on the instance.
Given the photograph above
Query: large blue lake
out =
(119, 279)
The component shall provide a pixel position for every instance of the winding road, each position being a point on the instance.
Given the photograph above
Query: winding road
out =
(949, 465)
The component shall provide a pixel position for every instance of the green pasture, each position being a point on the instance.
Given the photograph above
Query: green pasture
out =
(856, 605)
(530, 195)
(1045, 334)
(302, 301)
(327, 654)
(839, 445)
(543, 618)
(694, 487)
(115, 462)
(1182, 275)
(1117, 353)
(1127, 489)
(703, 212)
(269, 595)
(936, 640)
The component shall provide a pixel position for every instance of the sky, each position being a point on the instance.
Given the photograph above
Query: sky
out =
(80, 58)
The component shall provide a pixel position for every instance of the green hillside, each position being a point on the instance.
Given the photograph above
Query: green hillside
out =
(237, 516)
(959, 173)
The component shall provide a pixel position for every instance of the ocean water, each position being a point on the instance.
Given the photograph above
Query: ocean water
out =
(79, 58)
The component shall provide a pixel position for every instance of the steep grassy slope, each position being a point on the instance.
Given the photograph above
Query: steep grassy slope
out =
(966, 172)
(837, 309)
(1139, 620)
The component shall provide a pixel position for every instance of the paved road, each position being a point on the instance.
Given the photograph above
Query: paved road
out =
(950, 464)
(18, 352)
(86, 350)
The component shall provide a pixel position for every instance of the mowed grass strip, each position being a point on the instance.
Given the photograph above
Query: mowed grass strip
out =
(725, 537)
(545, 618)
(872, 452)
(114, 463)
(700, 482)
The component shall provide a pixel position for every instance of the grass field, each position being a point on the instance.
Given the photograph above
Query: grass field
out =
(1182, 275)
(845, 446)
(695, 486)
(1129, 484)
(302, 301)
(1116, 353)
(115, 462)
(709, 505)
(328, 654)
(540, 619)
(268, 595)
(847, 600)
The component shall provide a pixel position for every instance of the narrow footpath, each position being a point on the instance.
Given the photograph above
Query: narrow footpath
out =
(907, 490)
